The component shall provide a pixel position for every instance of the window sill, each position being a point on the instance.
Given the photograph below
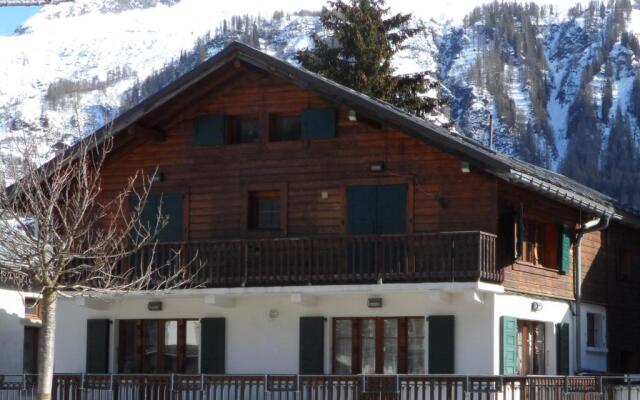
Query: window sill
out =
(597, 349)
(525, 266)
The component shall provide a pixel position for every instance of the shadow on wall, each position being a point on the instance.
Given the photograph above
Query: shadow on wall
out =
(11, 341)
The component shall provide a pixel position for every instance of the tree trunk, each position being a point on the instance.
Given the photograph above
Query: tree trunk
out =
(46, 345)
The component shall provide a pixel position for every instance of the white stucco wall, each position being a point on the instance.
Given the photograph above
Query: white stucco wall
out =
(553, 312)
(11, 331)
(257, 343)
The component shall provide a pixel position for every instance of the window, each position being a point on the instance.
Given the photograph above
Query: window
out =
(244, 130)
(533, 243)
(625, 263)
(530, 348)
(378, 345)
(265, 210)
(595, 331)
(285, 128)
(32, 308)
(540, 244)
(158, 346)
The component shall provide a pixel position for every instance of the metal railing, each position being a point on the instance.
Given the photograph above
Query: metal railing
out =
(322, 387)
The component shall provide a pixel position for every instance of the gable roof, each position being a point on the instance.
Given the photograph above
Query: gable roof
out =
(548, 183)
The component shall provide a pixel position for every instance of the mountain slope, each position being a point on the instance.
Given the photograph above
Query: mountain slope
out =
(559, 87)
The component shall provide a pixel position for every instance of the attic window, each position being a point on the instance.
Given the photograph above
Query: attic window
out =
(244, 129)
(285, 127)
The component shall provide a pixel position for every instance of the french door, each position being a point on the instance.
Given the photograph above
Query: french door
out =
(386, 345)
(530, 348)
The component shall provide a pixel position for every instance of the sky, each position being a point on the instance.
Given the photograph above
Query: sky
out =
(12, 17)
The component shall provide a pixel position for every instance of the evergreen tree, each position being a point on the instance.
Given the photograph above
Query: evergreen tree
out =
(620, 171)
(364, 40)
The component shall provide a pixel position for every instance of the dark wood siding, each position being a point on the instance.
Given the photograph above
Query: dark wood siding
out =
(316, 173)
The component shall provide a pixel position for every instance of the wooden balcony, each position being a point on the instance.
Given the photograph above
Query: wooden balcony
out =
(422, 257)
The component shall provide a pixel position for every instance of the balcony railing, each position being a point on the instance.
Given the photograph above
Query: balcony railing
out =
(423, 257)
(322, 387)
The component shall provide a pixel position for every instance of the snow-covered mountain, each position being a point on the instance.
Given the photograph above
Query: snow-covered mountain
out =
(559, 86)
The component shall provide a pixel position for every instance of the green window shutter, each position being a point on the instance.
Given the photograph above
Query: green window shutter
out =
(209, 129)
(172, 208)
(508, 345)
(311, 345)
(319, 123)
(519, 231)
(97, 346)
(562, 335)
(565, 249)
(391, 209)
(361, 210)
(213, 345)
(441, 344)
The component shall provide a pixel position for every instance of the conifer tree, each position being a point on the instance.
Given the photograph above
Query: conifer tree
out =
(364, 39)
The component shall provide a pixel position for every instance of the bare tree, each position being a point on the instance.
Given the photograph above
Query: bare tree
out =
(58, 235)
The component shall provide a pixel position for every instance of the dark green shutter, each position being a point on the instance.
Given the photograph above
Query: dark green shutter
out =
(213, 345)
(172, 208)
(562, 335)
(441, 344)
(209, 129)
(508, 345)
(361, 210)
(311, 345)
(319, 123)
(520, 231)
(391, 209)
(565, 248)
(97, 346)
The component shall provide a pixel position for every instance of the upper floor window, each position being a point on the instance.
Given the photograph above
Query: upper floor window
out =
(595, 330)
(265, 210)
(285, 127)
(244, 129)
(625, 263)
(533, 244)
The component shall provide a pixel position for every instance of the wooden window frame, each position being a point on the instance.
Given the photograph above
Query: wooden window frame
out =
(356, 345)
(548, 249)
(245, 216)
(525, 345)
(272, 116)
(231, 134)
(139, 344)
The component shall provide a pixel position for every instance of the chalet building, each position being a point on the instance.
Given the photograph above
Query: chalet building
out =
(340, 235)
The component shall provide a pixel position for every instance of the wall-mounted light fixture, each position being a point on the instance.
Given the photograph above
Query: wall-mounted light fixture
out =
(154, 306)
(465, 167)
(535, 306)
(374, 302)
(376, 166)
(353, 116)
(273, 313)
(159, 177)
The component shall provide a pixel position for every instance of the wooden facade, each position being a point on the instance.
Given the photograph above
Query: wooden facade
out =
(311, 178)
